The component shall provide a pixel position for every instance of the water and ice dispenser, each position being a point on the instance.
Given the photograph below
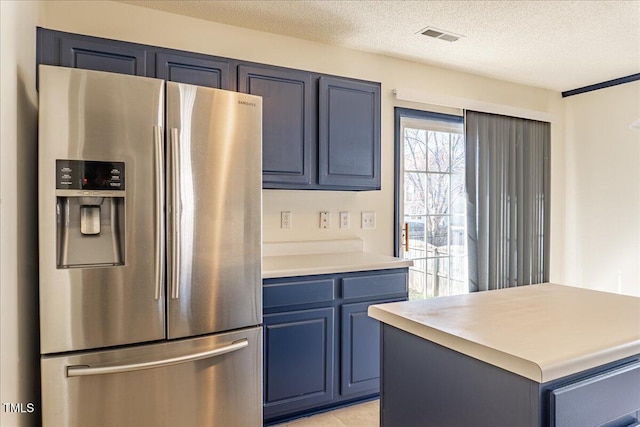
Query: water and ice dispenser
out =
(90, 213)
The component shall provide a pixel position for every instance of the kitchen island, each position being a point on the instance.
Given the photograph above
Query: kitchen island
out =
(534, 356)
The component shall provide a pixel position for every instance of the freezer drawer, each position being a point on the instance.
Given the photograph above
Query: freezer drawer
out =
(207, 381)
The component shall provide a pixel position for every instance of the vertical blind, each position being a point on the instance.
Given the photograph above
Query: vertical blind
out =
(507, 181)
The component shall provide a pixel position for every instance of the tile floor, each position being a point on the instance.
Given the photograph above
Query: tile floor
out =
(362, 415)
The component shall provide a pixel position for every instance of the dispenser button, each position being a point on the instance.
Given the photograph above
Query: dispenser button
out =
(115, 177)
(115, 172)
(65, 169)
(65, 176)
(65, 183)
(114, 184)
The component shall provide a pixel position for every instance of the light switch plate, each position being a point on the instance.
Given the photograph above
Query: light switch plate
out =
(344, 220)
(285, 219)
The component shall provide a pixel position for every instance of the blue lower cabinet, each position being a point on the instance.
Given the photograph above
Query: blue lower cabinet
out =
(298, 360)
(321, 349)
(360, 351)
(610, 397)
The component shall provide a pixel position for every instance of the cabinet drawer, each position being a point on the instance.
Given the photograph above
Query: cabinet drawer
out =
(598, 399)
(374, 286)
(294, 293)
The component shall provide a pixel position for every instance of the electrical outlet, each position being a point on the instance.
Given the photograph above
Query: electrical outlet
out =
(285, 219)
(344, 220)
(368, 220)
(325, 219)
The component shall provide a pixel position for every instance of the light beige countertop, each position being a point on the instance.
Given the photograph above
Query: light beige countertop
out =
(288, 259)
(541, 332)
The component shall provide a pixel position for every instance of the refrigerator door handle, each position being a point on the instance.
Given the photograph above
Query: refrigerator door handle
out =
(176, 211)
(159, 254)
(84, 370)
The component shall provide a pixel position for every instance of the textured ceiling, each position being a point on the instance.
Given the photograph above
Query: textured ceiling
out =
(558, 45)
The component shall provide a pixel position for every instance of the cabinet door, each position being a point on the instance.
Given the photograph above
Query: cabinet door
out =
(91, 53)
(360, 358)
(298, 360)
(193, 69)
(286, 120)
(349, 134)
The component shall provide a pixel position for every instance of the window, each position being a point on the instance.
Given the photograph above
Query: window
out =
(432, 202)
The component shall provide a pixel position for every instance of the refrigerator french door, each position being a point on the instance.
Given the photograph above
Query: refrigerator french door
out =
(150, 251)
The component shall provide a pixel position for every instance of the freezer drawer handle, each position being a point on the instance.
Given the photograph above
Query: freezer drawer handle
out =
(84, 370)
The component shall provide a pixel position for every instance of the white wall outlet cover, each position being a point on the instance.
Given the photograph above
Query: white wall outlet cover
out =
(368, 220)
(285, 219)
(325, 219)
(344, 220)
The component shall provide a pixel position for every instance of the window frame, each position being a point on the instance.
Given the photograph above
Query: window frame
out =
(399, 114)
(430, 122)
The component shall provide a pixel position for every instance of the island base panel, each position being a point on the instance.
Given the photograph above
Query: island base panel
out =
(425, 384)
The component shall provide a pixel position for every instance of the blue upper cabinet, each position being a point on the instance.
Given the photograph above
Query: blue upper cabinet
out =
(319, 132)
(349, 134)
(287, 112)
(92, 53)
(201, 70)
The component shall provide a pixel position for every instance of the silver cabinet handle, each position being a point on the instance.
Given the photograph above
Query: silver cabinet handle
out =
(83, 370)
(159, 214)
(176, 209)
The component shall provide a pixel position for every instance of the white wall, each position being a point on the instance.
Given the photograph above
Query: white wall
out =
(131, 23)
(19, 350)
(602, 213)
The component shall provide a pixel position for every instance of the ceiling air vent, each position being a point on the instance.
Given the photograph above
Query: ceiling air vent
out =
(440, 34)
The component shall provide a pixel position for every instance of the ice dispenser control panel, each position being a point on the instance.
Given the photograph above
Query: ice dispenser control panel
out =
(89, 175)
(90, 213)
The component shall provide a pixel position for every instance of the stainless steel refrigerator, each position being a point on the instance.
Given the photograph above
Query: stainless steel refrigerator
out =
(150, 252)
